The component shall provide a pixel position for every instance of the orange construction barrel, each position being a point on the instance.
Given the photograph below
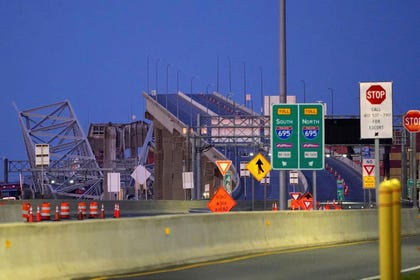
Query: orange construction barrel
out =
(93, 210)
(45, 211)
(64, 210)
(25, 211)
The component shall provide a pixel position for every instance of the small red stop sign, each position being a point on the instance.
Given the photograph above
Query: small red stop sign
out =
(375, 94)
(411, 121)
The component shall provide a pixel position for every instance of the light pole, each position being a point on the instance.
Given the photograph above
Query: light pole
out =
(148, 80)
(332, 112)
(177, 81)
(230, 75)
(261, 90)
(167, 77)
(207, 87)
(177, 91)
(332, 102)
(167, 85)
(245, 84)
(157, 75)
(217, 75)
(191, 91)
(304, 91)
(191, 84)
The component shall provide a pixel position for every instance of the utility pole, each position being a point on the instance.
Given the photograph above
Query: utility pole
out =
(282, 184)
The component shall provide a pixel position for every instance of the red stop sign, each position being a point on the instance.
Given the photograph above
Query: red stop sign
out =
(411, 121)
(375, 94)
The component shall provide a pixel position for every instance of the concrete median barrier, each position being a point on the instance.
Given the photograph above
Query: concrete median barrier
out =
(10, 213)
(129, 208)
(70, 249)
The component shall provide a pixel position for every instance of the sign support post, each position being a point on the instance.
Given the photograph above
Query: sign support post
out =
(413, 168)
(253, 196)
(259, 167)
(265, 196)
(377, 169)
(411, 122)
(314, 189)
(244, 173)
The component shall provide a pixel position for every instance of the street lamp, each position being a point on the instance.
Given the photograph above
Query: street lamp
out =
(177, 91)
(217, 75)
(207, 87)
(304, 91)
(332, 112)
(230, 75)
(167, 77)
(261, 89)
(245, 84)
(157, 75)
(332, 102)
(148, 80)
(191, 84)
(167, 85)
(191, 91)
(177, 81)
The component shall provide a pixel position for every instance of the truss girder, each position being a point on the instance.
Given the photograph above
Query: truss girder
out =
(236, 130)
(73, 170)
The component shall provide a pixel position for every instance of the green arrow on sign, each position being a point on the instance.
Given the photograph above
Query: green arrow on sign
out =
(227, 182)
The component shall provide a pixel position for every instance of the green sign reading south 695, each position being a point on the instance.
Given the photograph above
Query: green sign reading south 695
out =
(297, 136)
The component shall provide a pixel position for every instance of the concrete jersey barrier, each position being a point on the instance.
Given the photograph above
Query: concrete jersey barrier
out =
(128, 208)
(10, 213)
(64, 250)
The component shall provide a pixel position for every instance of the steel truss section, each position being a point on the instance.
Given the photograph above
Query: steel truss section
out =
(73, 170)
(235, 130)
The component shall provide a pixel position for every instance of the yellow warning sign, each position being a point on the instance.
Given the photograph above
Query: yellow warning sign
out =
(259, 167)
(369, 182)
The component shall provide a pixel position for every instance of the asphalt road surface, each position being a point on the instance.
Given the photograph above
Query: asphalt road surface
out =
(350, 261)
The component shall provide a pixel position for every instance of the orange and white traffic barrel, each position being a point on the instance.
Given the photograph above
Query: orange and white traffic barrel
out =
(45, 211)
(64, 210)
(93, 210)
(25, 211)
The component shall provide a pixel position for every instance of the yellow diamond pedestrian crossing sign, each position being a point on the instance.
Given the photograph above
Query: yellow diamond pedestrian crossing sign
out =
(259, 167)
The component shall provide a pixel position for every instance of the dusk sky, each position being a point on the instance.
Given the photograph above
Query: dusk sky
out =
(94, 54)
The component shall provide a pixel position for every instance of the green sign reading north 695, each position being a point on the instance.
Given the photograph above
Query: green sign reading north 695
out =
(297, 136)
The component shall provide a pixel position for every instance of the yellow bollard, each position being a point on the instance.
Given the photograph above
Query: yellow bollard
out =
(385, 231)
(396, 227)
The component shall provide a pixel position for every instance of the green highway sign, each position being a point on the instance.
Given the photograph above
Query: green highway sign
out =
(297, 136)
(227, 182)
